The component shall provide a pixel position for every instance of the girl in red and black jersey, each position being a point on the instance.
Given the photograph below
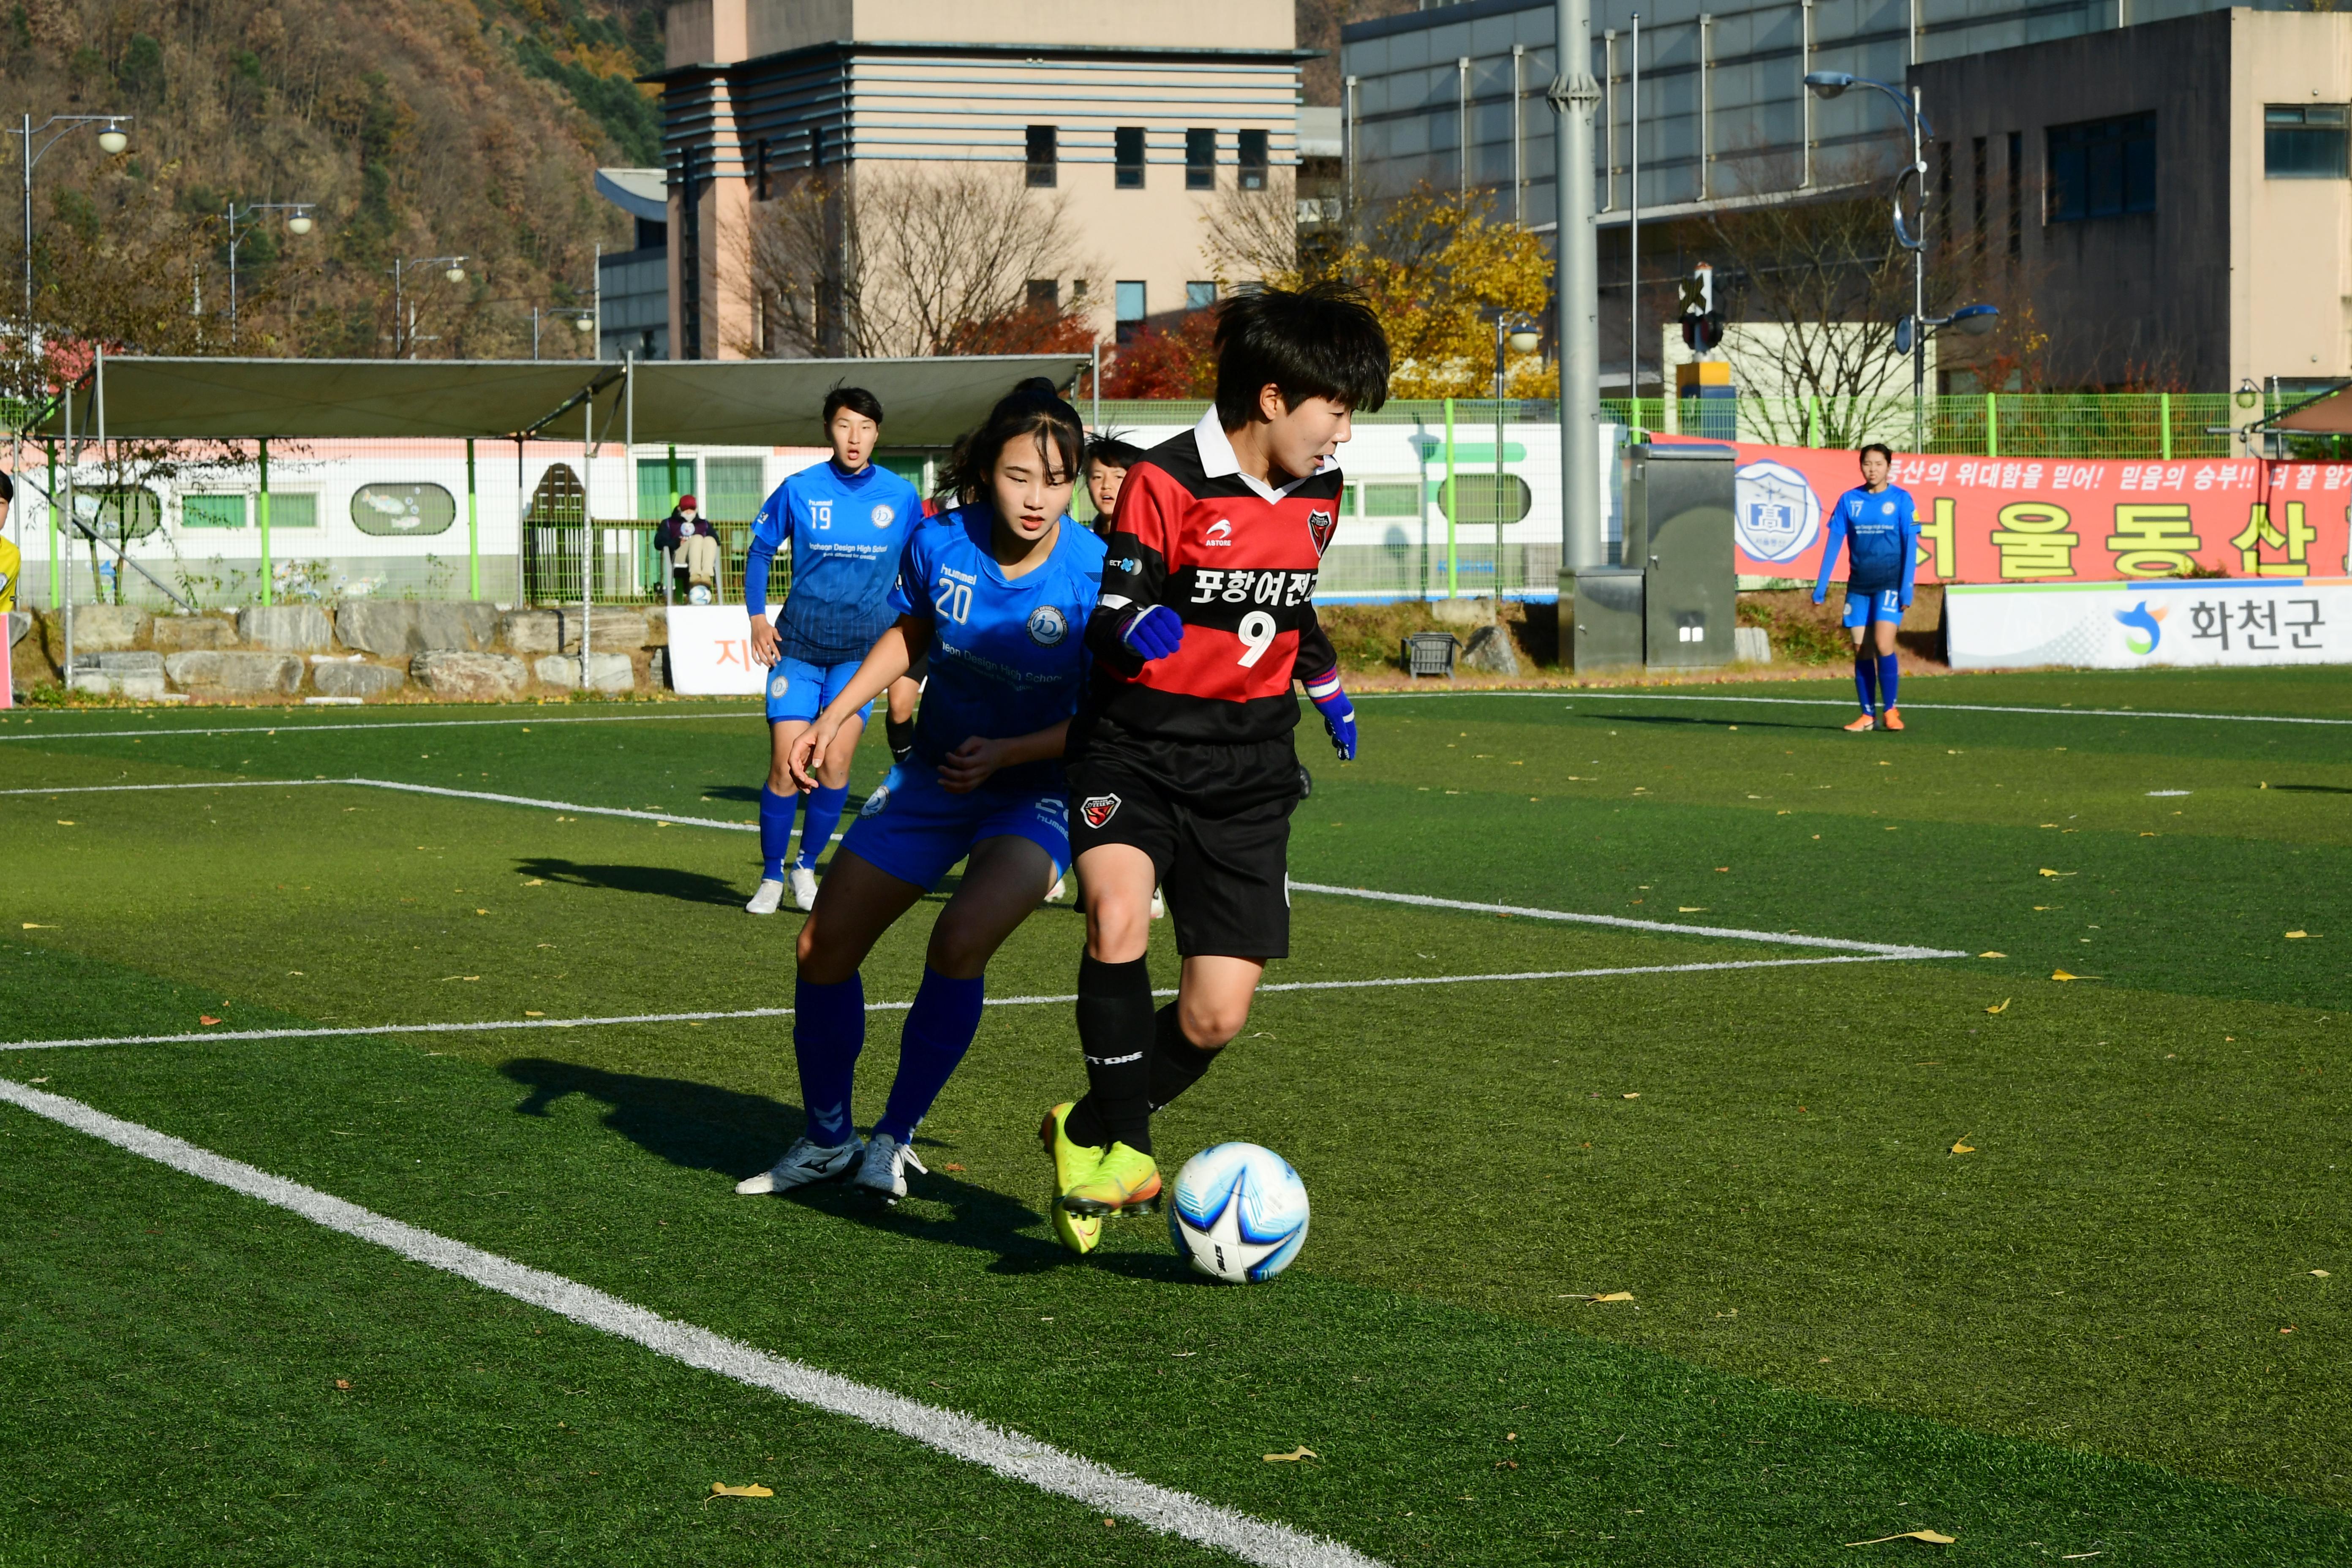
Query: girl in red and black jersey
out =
(1180, 764)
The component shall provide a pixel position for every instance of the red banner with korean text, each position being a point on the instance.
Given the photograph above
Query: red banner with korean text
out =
(2031, 519)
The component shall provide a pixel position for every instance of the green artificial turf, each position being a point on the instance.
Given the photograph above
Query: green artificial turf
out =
(2067, 1340)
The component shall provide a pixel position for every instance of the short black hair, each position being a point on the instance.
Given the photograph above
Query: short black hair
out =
(1112, 451)
(7, 489)
(1034, 409)
(856, 399)
(1881, 447)
(1321, 341)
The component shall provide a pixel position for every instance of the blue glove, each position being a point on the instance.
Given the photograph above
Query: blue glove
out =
(1153, 632)
(1338, 715)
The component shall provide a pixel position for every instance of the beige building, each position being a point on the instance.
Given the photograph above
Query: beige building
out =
(1141, 112)
(2174, 198)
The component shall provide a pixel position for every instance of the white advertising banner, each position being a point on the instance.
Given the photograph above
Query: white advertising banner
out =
(711, 651)
(2126, 625)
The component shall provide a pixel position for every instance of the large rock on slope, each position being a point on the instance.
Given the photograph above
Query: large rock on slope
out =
(470, 677)
(402, 628)
(286, 629)
(363, 681)
(226, 674)
(606, 671)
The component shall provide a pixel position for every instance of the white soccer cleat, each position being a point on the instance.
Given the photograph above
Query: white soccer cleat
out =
(1158, 905)
(1054, 894)
(803, 887)
(883, 1171)
(764, 901)
(804, 1164)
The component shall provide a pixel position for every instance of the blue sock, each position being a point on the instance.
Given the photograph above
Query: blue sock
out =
(1887, 676)
(939, 1027)
(828, 1031)
(775, 831)
(1865, 678)
(818, 821)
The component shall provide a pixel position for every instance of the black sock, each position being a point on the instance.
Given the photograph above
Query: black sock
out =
(1115, 1031)
(900, 733)
(1176, 1063)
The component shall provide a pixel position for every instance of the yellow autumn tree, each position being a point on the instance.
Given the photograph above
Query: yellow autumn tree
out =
(1437, 267)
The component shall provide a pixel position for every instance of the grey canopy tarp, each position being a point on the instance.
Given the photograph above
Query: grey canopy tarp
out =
(925, 401)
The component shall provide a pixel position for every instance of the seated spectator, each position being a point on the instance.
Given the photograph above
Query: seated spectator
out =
(693, 547)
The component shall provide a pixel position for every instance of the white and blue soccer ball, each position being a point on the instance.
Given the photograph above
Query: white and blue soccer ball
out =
(1238, 1213)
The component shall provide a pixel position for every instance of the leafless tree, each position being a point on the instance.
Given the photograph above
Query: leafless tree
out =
(1254, 234)
(928, 260)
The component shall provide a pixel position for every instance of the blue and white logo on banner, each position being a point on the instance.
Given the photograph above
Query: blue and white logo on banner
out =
(1774, 511)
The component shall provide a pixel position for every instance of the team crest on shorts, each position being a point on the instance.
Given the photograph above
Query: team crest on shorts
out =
(778, 684)
(1099, 809)
(1047, 626)
(883, 517)
(1320, 526)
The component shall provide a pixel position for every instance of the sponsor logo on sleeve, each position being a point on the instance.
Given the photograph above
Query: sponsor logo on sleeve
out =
(1099, 809)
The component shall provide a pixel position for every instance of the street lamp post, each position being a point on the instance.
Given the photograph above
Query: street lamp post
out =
(1911, 332)
(298, 222)
(1519, 333)
(112, 140)
(404, 333)
(581, 321)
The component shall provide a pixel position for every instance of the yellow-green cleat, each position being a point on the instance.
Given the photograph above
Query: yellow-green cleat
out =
(1125, 1182)
(1073, 1164)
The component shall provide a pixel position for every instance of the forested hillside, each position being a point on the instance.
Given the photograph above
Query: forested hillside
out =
(420, 128)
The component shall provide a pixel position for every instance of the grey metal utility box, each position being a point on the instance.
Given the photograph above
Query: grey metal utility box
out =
(1678, 501)
(1605, 626)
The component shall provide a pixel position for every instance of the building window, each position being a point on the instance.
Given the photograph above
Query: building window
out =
(1044, 153)
(2305, 142)
(212, 512)
(817, 147)
(1254, 160)
(293, 509)
(1044, 295)
(1129, 308)
(2102, 168)
(1200, 160)
(1126, 153)
(402, 510)
(2016, 196)
(1200, 296)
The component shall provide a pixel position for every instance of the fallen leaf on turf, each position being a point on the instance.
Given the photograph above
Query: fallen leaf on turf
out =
(2061, 974)
(1635, 1095)
(720, 1489)
(342, 1383)
(536, 882)
(461, 977)
(1964, 1148)
(206, 1018)
(2288, 1330)
(1691, 908)
(529, 1013)
(2297, 935)
(481, 911)
(2004, 1005)
(2048, 872)
(63, 823)
(1301, 1453)
(2317, 1273)
(1992, 955)
(1932, 1537)
(31, 926)
(950, 1167)
(44, 1079)
(1507, 1464)
(1611, 1296)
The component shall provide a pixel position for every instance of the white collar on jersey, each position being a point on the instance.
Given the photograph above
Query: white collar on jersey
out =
(1218, 462)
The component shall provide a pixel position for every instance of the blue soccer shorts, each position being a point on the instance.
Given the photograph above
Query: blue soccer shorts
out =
(802, 691)
(915, 828)
(1861, 609)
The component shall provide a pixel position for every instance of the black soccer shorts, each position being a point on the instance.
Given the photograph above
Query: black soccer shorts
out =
(1215, 820)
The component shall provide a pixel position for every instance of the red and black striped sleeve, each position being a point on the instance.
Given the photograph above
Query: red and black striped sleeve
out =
(1135, 570)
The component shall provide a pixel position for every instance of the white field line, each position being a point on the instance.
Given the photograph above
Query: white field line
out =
(1784, 938)
(307, 729)
(493, 1026)
(1009, 1453)
(1787, 939)
(1572, 698)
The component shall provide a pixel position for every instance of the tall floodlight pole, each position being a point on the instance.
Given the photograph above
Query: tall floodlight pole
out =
(112, 140)
(1575, 277)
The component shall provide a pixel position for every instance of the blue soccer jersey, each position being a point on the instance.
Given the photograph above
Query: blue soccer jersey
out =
(1883, 535)
(1008, 655)
(847, 531)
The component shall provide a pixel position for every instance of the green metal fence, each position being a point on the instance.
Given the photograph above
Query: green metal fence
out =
(2161, 425)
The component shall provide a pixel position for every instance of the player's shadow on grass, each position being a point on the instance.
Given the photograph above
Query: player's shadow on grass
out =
(652, 881)
(749, 794)
(2316, 789)
(700, 1127)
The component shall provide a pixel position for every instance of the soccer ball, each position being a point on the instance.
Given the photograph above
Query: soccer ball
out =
(1238, 1213)
(697, 595)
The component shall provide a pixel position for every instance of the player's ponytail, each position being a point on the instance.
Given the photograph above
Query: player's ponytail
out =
(1033, 410)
